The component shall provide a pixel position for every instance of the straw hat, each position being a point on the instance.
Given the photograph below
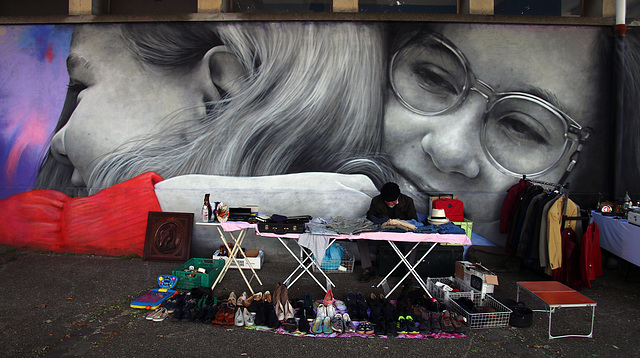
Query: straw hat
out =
(437, 217)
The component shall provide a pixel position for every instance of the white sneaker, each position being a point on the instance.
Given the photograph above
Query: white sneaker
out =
(321, 311)
(331, 310)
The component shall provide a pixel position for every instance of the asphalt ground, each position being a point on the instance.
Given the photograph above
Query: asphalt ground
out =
(60, 305)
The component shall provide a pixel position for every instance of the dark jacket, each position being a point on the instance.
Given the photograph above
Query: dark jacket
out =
(404, 210)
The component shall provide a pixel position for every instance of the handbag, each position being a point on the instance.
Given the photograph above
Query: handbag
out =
(453, 208)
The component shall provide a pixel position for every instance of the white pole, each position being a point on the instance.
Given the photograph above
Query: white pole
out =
(621, 14)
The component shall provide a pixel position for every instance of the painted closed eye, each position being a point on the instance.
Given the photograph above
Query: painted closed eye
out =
(523, 129)
(75, 88)
(435, 80)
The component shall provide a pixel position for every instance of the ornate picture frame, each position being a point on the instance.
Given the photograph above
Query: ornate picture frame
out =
(168, 236)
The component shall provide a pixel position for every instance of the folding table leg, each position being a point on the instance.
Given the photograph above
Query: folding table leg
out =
(384, 281)
(590, 335)
(237, 242)
(225, 268)
(304, 267)
(255, 274)
(411, 268)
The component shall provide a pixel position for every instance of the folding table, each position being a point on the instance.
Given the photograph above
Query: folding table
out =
(416, 239)
(229, 228)
(306, 261)
(557, 295)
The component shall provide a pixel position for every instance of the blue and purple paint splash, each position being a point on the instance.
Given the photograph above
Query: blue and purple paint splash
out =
(33, 80)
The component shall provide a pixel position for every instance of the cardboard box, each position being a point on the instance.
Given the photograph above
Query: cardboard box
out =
(477, 276)
(633, 217)
(256, 262)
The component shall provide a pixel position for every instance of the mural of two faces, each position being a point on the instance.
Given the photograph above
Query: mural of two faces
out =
(457, 108)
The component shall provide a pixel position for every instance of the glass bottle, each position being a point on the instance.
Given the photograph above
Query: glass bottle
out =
(206, 209)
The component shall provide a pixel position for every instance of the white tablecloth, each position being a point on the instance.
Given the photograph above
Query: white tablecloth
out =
(618, 237)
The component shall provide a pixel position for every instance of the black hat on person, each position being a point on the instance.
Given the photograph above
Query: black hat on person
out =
(390, 191)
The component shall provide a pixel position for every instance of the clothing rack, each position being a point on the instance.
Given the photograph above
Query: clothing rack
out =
(563, 189)
(555, 186)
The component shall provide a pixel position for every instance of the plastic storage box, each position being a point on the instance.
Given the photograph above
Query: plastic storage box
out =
(497, 319)
(189, 280)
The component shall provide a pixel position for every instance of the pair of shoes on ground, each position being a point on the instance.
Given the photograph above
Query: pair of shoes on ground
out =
(158, 315)
(225, 316)
(357, 306)
(386, 326)
(244, 318)
(184, 308)
(453, 323)
(406, 324)
(322, 325)
(283, 308)
(367, 275)
(326, 311)
(265, 314)
(365, 327)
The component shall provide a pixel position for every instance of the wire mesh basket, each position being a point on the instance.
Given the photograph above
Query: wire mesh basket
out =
(337, 266)
(438, 292)
(491, 313)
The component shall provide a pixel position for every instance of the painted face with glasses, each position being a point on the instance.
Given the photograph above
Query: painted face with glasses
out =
(473, 108)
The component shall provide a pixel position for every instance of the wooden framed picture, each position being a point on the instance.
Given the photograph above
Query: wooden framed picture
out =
(168, 236)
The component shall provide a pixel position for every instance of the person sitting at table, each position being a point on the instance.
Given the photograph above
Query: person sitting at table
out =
(390, 204)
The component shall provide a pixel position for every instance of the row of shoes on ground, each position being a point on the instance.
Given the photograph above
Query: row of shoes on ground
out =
(387, 319)
(338, 323)
(357, 305)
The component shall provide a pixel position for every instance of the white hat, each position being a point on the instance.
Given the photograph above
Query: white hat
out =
(437, 217)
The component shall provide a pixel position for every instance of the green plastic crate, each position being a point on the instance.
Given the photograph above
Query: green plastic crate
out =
(467, 225)
(188, 280)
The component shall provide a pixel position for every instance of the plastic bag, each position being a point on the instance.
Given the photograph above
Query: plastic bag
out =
(332, 257)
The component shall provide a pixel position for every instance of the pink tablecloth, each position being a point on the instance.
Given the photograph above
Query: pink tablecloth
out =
(456, 239)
